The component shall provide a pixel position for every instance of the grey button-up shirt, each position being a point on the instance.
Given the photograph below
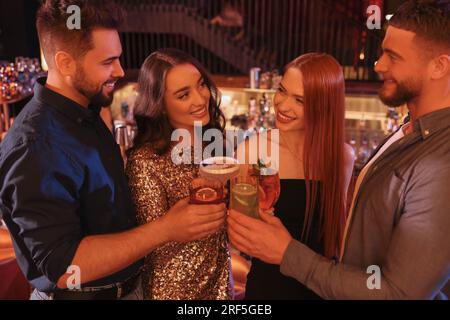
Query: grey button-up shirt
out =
(400, 223)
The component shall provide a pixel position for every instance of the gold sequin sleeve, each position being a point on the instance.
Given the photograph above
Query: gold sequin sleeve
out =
(193, 270)
(147, 191)
(149, 198)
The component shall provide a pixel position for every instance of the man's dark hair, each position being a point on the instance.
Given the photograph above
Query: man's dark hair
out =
(429, 20)
(54, 35)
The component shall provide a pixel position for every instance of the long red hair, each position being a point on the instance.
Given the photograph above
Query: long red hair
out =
(323, 156)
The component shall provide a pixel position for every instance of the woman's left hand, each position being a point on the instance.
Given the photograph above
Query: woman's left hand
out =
(266, 240)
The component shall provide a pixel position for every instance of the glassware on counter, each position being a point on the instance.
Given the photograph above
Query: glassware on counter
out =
(266, 79)
(18, 78)
(264, 104)
(132, 132)
(122, 137)
(276, 79)
(392, 124)
(255, 78)
(364, 150)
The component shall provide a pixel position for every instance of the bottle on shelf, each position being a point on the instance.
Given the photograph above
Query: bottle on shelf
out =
(352, 143)
(364, 150)
(263, 104)
(253, 113)
(252, 106)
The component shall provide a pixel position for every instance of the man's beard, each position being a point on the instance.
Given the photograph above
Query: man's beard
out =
(404, 93)
(96, 96)
(102, 100)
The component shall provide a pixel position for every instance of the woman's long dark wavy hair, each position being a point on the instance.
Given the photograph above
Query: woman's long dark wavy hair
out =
(149, 112)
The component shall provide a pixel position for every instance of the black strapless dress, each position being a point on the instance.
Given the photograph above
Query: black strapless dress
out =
(265, 281)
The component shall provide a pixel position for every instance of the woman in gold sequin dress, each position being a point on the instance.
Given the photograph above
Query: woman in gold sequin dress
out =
(174, 92)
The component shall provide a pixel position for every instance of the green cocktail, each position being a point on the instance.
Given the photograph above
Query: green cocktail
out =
(244, 198)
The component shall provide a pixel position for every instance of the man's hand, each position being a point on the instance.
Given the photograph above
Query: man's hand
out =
(266, 240)
(186, 222)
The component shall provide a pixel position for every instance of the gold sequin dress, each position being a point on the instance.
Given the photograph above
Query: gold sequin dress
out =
(197, 270)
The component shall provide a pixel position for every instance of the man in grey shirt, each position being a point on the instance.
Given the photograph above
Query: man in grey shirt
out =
(397, 244)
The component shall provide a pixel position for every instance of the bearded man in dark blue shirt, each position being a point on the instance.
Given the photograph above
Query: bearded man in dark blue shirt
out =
(64, 194)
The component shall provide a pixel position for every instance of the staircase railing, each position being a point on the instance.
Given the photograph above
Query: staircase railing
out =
(273, 32)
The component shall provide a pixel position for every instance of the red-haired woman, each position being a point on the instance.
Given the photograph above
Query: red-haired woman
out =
(315, 167)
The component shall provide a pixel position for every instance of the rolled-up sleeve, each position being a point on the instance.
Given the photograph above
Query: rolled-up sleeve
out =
(144, 185)
(40, 189)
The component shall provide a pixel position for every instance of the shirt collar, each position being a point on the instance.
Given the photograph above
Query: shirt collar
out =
(64, 105)
(432, 122)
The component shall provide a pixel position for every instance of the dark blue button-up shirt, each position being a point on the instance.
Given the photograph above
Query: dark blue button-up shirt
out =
(62, 179)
